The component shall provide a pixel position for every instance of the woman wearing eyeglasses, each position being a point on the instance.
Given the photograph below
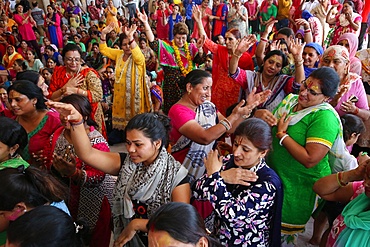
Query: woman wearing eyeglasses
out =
(306, 130)
(75, 78)
(351, 96)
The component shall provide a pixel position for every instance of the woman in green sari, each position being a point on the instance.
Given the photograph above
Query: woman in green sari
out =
(301, 146)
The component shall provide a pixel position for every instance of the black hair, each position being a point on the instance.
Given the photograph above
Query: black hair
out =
(31, 90)
(53, 59)
(32, 186)
(22, 63)
(329, 80)
(95, 44)
(182, 222)
(210, 55)
(50, 48)
(122, 36)
(195, 77)
(12, 133)
(153, 125)
(29, 75)
(257, 131)
(110, 67)
(286, 31)
(278, 53)
(82, 105)
(143, 39)
(46, 226)
(351, 125)
(71, 47)
(33, 52)
(48, 69)
(34, 4)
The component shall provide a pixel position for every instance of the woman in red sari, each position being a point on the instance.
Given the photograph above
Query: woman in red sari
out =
(73, 78)
(225, 91)
(161, 16)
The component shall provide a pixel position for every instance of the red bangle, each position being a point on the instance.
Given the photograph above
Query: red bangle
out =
(131, 41)
(264, 40)
(307, 31)
(356, 111)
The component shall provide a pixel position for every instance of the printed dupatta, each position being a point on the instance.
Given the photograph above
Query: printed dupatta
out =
(206, 116)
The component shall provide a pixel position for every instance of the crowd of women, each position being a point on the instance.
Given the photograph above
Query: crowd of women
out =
(238, 125)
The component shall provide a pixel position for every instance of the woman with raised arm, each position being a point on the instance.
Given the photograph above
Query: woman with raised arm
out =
(269, 76)
(148, 176)
(225, 91)
(177, 59)
(131, 93)
(197, 124)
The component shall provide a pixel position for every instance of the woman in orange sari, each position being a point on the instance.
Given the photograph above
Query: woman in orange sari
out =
(73, 78)
(10, 56)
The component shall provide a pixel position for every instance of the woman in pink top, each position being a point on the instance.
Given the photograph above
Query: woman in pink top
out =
(25, 23)
(253, 10)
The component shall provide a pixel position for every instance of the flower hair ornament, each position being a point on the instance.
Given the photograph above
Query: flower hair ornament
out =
(78, 227)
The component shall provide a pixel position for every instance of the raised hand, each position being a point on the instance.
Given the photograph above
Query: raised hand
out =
(108, 28)
(296, 47)
(142, 16)
(244, 44)
(129, 31)
(197, 14)
(269, 26)
(200, 42)
(67, 112)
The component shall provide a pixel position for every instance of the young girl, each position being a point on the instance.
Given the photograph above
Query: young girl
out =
(249, 205)
(148, 176)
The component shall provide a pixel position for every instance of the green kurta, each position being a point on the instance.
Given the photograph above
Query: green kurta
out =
(320, 127)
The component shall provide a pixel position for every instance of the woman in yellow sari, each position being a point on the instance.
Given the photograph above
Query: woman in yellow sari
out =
(10, 56)
(111, 15)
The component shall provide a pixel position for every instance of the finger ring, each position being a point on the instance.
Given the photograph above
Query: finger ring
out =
(244, 116)
(363, 153)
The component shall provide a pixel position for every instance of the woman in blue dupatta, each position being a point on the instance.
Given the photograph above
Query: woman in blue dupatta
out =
(352, 227)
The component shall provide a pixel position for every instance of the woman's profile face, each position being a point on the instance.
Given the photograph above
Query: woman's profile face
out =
(141, 148)
(246, 155)
(4, 155)
(3, 95)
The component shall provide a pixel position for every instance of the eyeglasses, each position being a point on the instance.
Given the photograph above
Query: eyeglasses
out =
(73, 59)
(309, 90)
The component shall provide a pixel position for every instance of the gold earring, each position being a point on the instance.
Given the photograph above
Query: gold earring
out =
(189, 92)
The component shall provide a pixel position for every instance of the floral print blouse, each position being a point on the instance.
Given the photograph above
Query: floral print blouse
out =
(245, 215)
